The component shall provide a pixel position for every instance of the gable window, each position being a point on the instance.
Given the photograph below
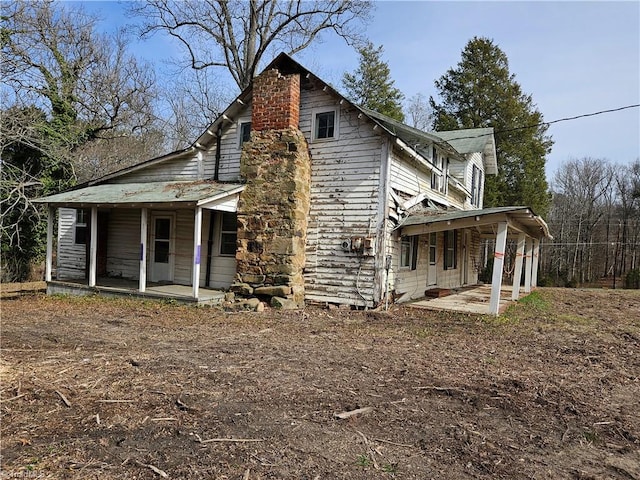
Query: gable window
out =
(245, 132)
(476, 186)
(450, 249)
(228, 234)
(80, 236)
(409, 252)
(324, 124)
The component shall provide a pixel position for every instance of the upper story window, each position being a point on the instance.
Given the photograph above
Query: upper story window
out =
(409, 252)
(324, 124)
(476, 187)
(80, 237)
(439, 179)
(245, 133)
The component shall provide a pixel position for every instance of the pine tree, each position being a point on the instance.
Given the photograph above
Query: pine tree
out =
(481, 92)
(371, 86)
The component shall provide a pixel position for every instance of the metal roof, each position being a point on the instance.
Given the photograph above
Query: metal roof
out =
(471, 140)
(121, 194)
(486, 216)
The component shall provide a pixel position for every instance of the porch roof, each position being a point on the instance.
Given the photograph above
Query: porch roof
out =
(204, 193)
(519, 218)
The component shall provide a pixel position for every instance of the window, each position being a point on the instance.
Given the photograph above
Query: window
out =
(324, 124)
(476, 187)
(162, 240)
(409, 252)
(432, 248)
(450, 249)
(245, 132)
(228, 234)
(81, 227)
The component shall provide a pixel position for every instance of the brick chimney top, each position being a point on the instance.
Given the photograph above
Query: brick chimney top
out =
(276, 101)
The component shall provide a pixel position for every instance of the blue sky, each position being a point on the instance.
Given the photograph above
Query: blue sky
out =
(574, 58)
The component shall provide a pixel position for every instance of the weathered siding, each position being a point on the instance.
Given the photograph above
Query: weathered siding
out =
(179, 169)
(344, 203)
(123, 243)
(230, 150)
(71, 258)
(408, 180)
(223, 268)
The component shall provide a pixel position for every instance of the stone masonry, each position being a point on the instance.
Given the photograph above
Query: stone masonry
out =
(273, 208)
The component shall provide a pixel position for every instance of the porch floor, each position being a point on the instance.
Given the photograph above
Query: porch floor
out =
(124, 287)
(470, 299)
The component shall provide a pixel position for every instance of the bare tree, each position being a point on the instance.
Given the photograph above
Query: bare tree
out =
(64, 86)
(192, 102)
(239, 34)
(54, 59)
(583, 185)
(419, 112)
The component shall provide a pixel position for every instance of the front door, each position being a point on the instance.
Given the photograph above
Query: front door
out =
(433, 249)
(162, 248)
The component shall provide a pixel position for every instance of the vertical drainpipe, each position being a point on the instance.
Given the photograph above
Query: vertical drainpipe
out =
(216, 175)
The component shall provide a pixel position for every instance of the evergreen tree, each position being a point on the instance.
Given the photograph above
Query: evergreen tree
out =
(371, 86)
(481, 92)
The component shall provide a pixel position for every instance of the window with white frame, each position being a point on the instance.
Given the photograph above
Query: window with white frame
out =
(244, 133)
(325, 123)
(228, 234)
(409, 252)
(450, 249)
(476, 186)
(80, 235)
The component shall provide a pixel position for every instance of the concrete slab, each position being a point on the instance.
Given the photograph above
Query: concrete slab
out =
(470, 300)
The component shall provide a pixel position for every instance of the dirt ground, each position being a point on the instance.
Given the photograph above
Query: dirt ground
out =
(127, 389)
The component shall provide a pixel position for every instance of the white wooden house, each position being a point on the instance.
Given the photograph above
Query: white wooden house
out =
(295, 192)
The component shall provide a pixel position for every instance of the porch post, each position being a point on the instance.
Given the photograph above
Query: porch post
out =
(142, 282)
(197, 239)
(517, 272)
(498, 266)
(536, 256)
(528, 269)
(49, 264)
(93, 248)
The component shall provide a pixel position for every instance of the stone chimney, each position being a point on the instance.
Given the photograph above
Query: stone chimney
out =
(273, 208)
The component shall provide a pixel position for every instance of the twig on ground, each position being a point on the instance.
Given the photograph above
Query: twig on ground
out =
(232, 440)
(246, 474)
(154, 468)
(441, 389)
(389, 442)
(116, 401)
(13, 398)
(351, 413)
(64, 399)
(372, 452)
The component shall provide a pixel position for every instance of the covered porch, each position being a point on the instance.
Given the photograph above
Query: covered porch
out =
(468, 300)
(155, 238)
(498, 224)
(119, 287)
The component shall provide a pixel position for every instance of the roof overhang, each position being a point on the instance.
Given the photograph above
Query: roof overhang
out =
(202, 193)
(485, 221)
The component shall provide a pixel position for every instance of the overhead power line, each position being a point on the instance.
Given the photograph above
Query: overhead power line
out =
(507, 130)
(611, 110)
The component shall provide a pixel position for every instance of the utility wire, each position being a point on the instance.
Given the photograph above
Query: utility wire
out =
(507, 130)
